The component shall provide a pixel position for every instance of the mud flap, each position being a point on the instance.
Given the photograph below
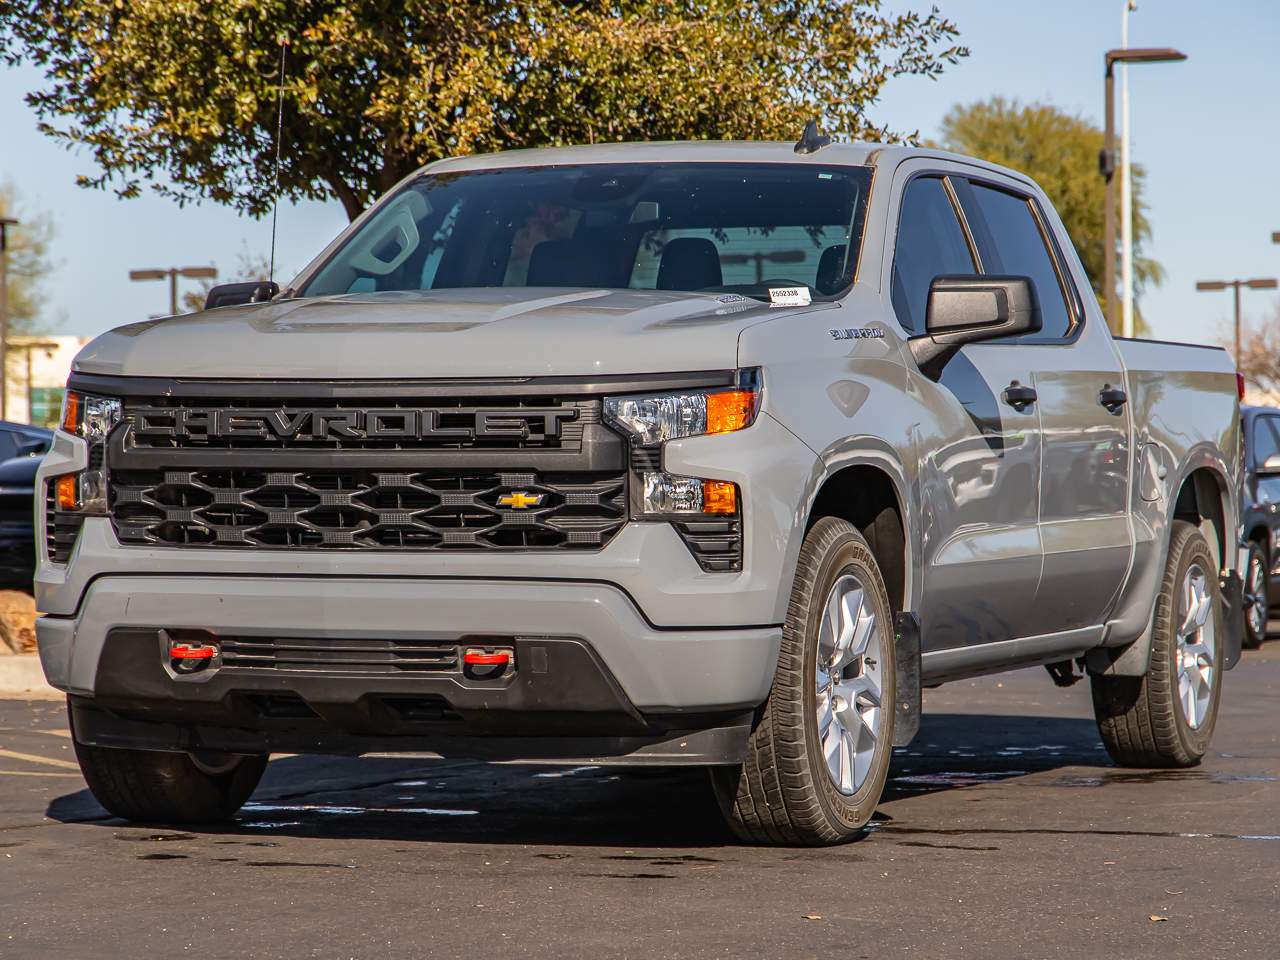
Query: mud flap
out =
(1232, 594)
(906, 650)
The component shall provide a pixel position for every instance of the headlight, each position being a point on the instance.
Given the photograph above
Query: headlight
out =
(665, 493)
(92, 419)
(653, 419)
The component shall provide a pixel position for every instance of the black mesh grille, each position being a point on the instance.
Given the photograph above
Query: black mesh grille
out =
(330, 656)
(367, 508)
(60, 529)
(502, 473)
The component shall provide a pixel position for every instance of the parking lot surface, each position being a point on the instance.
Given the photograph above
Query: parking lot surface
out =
(1005, 832)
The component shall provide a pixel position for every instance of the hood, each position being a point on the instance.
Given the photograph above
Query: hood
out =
(468, 333)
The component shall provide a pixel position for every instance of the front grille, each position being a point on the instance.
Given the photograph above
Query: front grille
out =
(60, 529)
(366, 508)
(330, 656)
(513, 473)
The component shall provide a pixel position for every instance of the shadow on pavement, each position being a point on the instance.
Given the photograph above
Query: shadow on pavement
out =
(462, 801)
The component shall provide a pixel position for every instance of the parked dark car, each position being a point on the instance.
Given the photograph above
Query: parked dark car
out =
(1261, 515)
(22, 447)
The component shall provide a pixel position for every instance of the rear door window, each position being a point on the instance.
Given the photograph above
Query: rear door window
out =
(1011, 241)
(930, 243)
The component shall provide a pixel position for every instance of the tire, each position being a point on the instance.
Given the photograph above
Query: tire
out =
(1152, 721)
(786, 792)
(153, 787)
(1255, 598)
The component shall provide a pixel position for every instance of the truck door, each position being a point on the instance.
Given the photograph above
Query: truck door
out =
(978, 453)
(1079, 382)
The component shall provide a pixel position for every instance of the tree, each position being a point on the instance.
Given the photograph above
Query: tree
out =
(184, 92)
(1260, 354)
(28, 261)
(1060, 152)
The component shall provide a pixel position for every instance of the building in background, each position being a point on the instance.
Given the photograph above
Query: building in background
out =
(38, 371)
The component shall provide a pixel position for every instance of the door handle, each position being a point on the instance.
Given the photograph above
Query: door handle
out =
(1019, 395)
(1113, 398)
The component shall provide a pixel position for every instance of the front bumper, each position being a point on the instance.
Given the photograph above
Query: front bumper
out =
(588, 665)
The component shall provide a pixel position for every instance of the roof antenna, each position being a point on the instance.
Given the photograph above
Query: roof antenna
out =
(275, 199)
(811, 141)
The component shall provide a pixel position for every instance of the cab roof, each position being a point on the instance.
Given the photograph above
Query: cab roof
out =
(709, 151)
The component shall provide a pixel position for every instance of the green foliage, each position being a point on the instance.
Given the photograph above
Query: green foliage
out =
(1060, 152)
(183, 92)
(28, 261)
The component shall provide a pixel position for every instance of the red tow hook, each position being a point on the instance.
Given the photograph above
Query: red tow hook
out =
(187, 656)
(193, 651)
(477, 657)
(480, 663)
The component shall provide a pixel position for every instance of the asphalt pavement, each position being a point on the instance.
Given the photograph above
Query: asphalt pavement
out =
(1005, 833)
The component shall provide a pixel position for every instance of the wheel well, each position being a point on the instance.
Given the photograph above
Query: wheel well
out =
(865, 497)
(1200, 502)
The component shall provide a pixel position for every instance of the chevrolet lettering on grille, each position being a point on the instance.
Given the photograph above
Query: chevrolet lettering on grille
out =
(316, 423)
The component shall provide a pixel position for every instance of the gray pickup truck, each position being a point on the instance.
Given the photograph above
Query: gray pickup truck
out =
(707, 454)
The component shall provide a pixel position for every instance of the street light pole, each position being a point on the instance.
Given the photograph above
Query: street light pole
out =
(173, 273)
(1126, 185)
(5, 224)
(1266, 283)
(1107, 161)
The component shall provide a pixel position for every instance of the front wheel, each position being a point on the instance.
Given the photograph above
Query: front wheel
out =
(819, 753)
(1166, 718)
(1255, 598)
(150, 786)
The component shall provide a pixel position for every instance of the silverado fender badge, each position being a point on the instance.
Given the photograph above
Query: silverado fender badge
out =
(857, 333)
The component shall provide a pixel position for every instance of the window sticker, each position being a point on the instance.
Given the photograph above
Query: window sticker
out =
(789, 296)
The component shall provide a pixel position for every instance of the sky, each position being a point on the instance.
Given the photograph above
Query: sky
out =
(1207, 131)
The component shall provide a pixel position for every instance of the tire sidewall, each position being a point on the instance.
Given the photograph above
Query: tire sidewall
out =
(848, 554)
(1256, 553)
(1195, 741)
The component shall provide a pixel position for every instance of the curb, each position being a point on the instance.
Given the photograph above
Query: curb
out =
(21, 678)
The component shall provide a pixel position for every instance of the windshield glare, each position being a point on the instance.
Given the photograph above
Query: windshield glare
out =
(707, 227)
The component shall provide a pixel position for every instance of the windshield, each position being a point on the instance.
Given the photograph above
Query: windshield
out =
(710, 227)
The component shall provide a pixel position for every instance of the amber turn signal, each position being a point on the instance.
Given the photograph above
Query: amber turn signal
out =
(720, 497)
(71, 412)
(68, 492)
(731, 410)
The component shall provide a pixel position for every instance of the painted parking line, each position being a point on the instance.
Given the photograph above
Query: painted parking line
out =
(36, 758)
(35, 773)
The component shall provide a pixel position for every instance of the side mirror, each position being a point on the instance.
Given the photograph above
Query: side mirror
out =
(235, 294)
(1269, 467)
(970, 309)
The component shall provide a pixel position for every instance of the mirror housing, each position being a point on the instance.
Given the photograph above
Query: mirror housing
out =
(970, 309)
(235, 294)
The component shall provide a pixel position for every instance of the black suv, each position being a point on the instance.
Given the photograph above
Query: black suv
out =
(1261, 516)
(22, 447)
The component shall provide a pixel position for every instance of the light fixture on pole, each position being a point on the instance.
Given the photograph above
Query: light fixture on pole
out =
(5, 224)
(1266, 283)
(173, 273)
(1107, 161)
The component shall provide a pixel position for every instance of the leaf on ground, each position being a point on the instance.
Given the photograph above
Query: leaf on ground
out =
(1156, 918)
(811, 916)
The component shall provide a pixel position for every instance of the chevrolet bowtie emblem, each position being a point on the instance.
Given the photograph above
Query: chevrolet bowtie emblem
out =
(520, 500)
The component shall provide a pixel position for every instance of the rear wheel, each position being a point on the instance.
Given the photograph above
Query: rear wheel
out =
(819, 753)
(1255, 598)
(154, 787)
(1166, 718)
